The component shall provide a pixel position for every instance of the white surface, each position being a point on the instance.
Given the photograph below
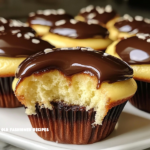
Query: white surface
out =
(132, 132)
(6, 146)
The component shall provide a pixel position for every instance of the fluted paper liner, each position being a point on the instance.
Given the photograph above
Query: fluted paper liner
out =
(73, 124)
(7, 97)
(141, 99)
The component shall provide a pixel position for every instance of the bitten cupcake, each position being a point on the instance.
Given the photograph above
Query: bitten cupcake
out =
(104, 16)
(135, 51)
(128, 26)
(78, 100)
(15, 46)
(42, 20)
(68, 33)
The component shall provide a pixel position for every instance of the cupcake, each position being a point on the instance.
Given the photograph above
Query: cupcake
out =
(128, 26)
(105, 16)
(42, 20)
(135, 51)
(78, 100)
(15, 46)
(68, 33)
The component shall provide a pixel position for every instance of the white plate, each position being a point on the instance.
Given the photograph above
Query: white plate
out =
(132, 132)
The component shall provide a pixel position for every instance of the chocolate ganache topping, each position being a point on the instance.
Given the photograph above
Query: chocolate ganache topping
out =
(10, 24)
(77, 29)
(47, 17)
(135, 50)
(98, 14)
(20, 43)
(75, 60)
(133, 25)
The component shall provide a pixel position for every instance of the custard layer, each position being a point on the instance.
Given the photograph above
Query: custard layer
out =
(41, 30)
(8, 65)
(61, 41)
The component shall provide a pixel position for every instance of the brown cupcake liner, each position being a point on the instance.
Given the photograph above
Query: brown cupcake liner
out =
(73, 124)
(7, 97)
(141, 99)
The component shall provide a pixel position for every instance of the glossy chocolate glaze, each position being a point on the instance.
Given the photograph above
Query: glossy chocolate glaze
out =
(47, 17)
(79, 30)
(101, 14)
(135, 50)
(20, 43)
(133, 26)
(75, 60)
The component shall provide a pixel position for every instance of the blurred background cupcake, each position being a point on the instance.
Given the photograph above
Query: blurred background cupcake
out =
(42, 20)
(104, 16)
(68, 33)
(135, 51)
(128, 26)
(16, 43)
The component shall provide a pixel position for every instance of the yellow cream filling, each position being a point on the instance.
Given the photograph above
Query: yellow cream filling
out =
(61, 41)
(8, 66)
(111, 23)
(80, 18)
(41, 29)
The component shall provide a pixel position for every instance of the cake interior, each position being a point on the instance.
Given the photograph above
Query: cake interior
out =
(79, 89)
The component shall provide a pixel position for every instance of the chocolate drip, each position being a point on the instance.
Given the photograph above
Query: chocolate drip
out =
(47, 19)
(76, 60)
(99, 14)
(79, 30)
(18, 43)
(133, 26)
(134, 50)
